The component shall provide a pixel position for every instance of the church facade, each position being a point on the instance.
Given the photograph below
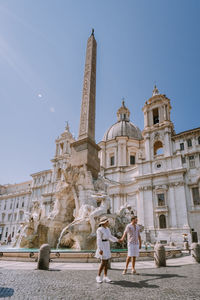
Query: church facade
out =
(155, 171)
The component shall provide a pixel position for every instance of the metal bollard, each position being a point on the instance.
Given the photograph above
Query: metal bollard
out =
(43, 258)
(159, 256)
(171, 244)
(195, 252)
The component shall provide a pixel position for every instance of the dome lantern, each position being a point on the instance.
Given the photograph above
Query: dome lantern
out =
(123, 126)
(123, 112)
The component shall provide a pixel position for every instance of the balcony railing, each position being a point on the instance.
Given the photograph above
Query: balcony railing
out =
(163, 208)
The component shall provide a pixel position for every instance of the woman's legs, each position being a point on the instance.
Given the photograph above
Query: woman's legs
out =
(106, 268)
(102, 266)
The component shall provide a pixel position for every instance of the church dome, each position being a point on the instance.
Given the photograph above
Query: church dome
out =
(123, 127)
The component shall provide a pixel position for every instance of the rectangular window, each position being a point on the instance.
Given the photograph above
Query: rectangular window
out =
(183, 159)
(189, 143)
(9, 217)
(132, 160)
(155, 116)
(199, 140)
(195, 195)
(182, 146)
(191, 161)
(161, 199)
(21, 216)
(112, 160)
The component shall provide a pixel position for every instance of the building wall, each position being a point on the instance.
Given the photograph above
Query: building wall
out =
(158, 183)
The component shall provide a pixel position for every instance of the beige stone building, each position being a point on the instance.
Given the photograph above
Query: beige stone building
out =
(156, 171)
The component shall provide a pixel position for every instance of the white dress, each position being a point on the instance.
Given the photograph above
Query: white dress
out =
(102, 235)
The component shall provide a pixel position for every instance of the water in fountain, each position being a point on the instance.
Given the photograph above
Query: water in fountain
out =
(22, 233)
(60, 237)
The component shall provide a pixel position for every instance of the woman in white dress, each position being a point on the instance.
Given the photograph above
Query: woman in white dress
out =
(104, 237)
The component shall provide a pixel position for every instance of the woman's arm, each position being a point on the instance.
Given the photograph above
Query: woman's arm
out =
(112, 238)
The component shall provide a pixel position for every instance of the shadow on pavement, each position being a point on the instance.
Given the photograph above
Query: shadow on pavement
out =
(6, 292)
(131, 284)
(144, 283)
(162, 276)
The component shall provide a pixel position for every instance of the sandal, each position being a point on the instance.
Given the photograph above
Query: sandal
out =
(134, 272)
(124, 272)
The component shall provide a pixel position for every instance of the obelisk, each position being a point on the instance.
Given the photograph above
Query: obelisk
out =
(85, 150)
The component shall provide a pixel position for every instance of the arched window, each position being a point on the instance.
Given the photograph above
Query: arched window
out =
(158, 148)
(155, 116)
(162, 221)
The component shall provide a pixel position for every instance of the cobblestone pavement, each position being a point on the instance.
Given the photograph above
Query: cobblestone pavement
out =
(180, 282)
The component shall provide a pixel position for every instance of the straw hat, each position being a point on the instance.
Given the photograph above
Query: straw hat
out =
(103, 220)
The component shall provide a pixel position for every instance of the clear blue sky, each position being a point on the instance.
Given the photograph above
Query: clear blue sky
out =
(42, 57)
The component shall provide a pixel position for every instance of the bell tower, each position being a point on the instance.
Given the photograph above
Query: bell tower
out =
(158, 127)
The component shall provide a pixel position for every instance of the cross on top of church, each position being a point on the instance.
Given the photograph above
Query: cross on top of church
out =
(155, 91)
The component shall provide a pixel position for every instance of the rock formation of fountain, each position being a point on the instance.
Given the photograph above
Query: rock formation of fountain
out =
(80, 202)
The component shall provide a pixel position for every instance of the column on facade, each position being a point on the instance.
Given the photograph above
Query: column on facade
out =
(140, 207)
(57, 149)
(112, 208)
(165, 112)
(119, 160)
(167, 141)
(160, 113)
(103, 156)
(117, 202)
(172, 207)
(145, 119)
(150, 114)
(147, 147)
(124, 155)
(148, 208)
(181, 205)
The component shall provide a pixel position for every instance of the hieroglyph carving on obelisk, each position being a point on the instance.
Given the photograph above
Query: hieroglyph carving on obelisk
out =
(87, 118)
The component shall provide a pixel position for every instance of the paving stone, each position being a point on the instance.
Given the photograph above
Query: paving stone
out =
(170, 283)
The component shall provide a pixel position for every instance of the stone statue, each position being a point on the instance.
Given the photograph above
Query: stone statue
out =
(99, 211)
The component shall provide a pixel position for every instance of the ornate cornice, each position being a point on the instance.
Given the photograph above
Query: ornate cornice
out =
(186, 133)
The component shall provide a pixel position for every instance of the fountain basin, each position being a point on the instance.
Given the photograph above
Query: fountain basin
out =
(69, 255)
